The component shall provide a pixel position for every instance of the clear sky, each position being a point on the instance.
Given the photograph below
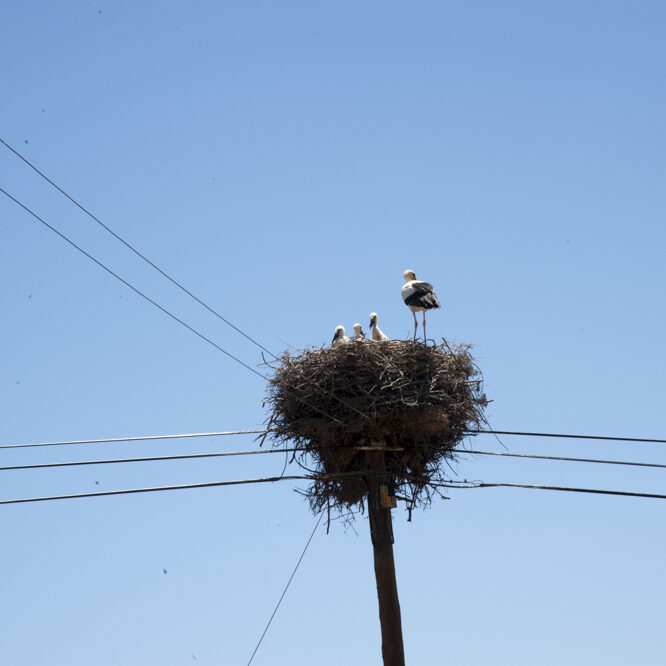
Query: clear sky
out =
(286, 162)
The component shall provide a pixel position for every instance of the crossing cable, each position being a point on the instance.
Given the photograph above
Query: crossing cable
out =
(133, 249)
(173, 316)
(462, 485)
(187, 456)
(213, 484)
(482, 484)
(537, 457)
(293, 573)
(135, 439)
(551, 434)
(133, 288)
(193, 456)
(187, 486)
(266, 432)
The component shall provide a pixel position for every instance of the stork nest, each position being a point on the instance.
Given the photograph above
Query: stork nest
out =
(337, 405)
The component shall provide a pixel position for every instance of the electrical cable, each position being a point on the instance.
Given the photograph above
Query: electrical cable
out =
(192, 456)
(537, 457)
(133, 288)
(130, 491)
(264, 432)
(187, 456)
(447, 484)
(483, 484)
(293, 573)
(133, 249)
(134, 439)
(211, 484)
(550, 434)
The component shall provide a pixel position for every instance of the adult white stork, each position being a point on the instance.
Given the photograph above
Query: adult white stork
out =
(376, 335)
(339, 336)
(359, 334)
(419, 296)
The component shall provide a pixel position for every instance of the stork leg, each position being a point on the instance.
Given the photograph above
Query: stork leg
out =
(425, 338)
(416, 323)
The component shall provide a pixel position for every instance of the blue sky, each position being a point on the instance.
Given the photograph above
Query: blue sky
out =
(286, 162)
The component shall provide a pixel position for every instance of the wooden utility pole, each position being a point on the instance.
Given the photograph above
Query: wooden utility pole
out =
(381, 532)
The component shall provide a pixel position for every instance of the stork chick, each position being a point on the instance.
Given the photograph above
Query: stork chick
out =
(339, 336)
(376, 335)
(359, 334)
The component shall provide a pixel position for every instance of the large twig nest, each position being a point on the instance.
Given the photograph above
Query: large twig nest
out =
(331, 404)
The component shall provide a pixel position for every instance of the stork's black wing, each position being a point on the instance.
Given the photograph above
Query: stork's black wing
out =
(422, 296)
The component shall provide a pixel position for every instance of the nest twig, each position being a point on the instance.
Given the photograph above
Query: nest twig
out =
(417, 402)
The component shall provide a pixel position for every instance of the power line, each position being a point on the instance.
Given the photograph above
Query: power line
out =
(583, 460)
(187, 456)
(133, 249)
(134, 289)
(135, 439)
(622, 493)
(482, 484)
(192, 456)
(464, 485)
(550, 434)
(212, 484)
(286, 587)
(264, 431)
(130, 491)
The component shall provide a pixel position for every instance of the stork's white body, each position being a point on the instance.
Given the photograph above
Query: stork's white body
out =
(419, 296)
